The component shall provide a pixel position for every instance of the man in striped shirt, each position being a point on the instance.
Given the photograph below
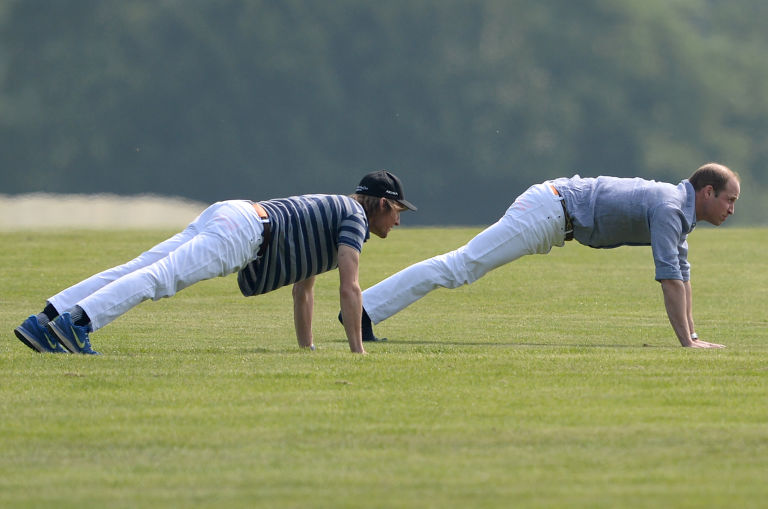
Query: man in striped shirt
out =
(270, 244)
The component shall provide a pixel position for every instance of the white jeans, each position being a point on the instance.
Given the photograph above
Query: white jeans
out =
(222, 240)
(532, 225)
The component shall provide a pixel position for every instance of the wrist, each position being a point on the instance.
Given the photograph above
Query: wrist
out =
(694, 336)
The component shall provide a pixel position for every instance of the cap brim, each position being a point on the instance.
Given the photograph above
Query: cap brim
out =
(407, 204)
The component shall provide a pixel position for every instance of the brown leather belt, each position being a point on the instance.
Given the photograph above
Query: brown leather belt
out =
(568, 221)
(266, 235)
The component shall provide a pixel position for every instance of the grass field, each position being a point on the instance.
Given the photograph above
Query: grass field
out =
(555, 381)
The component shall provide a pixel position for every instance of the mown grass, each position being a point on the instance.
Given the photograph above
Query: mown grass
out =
(555, 381)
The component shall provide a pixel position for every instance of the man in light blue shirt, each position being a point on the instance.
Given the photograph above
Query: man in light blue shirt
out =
(602, 212)
(609, 212)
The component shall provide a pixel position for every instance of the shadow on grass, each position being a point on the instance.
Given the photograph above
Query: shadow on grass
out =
(524, 344)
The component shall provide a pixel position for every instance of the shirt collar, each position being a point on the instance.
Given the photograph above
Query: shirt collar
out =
(689, 207)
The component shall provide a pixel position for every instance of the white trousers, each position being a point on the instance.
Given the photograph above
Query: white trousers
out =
(221, 241)
(532, 224)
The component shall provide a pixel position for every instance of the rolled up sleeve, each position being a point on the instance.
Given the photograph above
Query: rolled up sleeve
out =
(669, 244)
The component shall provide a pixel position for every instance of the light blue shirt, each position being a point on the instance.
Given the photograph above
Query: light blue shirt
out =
(610, 212)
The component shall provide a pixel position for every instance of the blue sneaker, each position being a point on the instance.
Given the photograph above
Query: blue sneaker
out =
(73, 337)
(32, 334)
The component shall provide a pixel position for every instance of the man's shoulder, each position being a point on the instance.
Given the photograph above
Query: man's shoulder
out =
(666, 196)
(321, 200)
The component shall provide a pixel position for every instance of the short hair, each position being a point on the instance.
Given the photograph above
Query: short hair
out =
(712, 174)
(370, 204)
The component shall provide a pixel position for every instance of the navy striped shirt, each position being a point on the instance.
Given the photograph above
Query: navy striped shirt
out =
(306, 232)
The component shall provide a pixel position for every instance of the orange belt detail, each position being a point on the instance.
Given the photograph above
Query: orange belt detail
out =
(568, 221)
(266, 236)
(263, 213)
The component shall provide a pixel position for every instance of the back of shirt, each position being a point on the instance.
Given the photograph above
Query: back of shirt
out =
(306, 232)
(610, 212)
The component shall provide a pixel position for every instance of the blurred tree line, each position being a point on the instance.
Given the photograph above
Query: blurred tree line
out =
(469, 101)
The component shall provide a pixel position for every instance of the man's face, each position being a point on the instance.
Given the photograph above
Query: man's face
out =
(715, 209)
(387, 217)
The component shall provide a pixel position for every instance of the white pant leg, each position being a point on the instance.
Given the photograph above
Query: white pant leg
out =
(68, 298)
(225, 237)
(531, 225)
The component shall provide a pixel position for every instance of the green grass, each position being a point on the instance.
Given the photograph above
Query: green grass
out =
(555, 381)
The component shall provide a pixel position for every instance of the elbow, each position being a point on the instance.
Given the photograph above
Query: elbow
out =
(302, 293)
(672, 287)
(350, 291)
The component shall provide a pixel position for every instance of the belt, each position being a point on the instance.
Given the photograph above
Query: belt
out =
(568, 222)
(266, 235)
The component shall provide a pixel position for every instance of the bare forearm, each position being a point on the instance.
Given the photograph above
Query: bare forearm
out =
(351, 297)
(678, 299)
(351, 300)
(677, 307)
(303, 306)
(689, 305)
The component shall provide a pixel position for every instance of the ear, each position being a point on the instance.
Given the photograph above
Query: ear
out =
(383, 204)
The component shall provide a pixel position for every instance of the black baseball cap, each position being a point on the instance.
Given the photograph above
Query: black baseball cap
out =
(383, 184)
